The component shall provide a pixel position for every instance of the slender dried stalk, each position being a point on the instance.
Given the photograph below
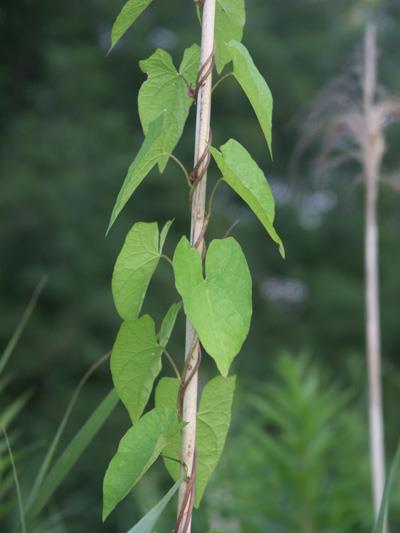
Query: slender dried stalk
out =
(351, 115)
(373, 149)
(192, 358)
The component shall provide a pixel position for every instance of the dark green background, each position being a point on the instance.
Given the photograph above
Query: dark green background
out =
(69, 128)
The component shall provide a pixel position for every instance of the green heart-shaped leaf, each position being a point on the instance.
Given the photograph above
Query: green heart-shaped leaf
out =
(135, 267)
(135, 363)
(219, 305)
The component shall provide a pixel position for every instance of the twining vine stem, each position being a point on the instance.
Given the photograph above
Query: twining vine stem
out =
(198, 201)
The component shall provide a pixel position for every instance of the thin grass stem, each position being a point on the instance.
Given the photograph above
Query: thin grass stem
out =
(16, 481)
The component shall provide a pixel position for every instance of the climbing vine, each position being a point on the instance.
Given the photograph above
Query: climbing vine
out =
(213, 282)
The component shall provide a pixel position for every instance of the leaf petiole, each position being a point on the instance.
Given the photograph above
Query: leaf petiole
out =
(172, 363)
(180, 165)
(221, 79)
(168, 259)
(212, 195)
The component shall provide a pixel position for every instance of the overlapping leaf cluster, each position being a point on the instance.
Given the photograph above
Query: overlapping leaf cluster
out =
(216, 295)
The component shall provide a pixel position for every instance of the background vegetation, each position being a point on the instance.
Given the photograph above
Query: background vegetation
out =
(296, 458)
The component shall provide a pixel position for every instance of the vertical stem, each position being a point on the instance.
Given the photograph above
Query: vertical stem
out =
(192, 357)
(373, 345)
(373, 150)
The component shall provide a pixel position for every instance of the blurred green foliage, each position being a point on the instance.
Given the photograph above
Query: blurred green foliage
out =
(69, 129)
(303, 457)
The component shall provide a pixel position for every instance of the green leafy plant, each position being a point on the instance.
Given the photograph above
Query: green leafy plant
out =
(304, 462)
(213, 281)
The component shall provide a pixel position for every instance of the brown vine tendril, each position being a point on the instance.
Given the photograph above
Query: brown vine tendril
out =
(191, 495)
(187, 379)
(196, 175)
(190, 478)
(204, 72)
(188, 499)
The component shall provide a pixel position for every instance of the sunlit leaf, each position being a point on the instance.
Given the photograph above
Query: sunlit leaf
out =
(218, 306)
(138, 449)
(254, 86)
(247, 179)
(166, 88)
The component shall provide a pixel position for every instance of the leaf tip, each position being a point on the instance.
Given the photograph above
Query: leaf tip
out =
(269, 143)
(112, 220)
(105, 513)
(223, 371)
(108, 229)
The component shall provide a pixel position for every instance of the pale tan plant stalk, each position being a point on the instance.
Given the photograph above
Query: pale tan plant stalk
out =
(373, 149)
(352, 117)
(192, 357)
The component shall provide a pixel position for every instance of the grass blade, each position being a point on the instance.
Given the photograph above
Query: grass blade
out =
(12, 410)
(72, 453)
(387, 492)
(147, 523)
(22, 323)
(44, 467)
(16, 481)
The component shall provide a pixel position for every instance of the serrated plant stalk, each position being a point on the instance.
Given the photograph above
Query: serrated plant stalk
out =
(192, 346)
